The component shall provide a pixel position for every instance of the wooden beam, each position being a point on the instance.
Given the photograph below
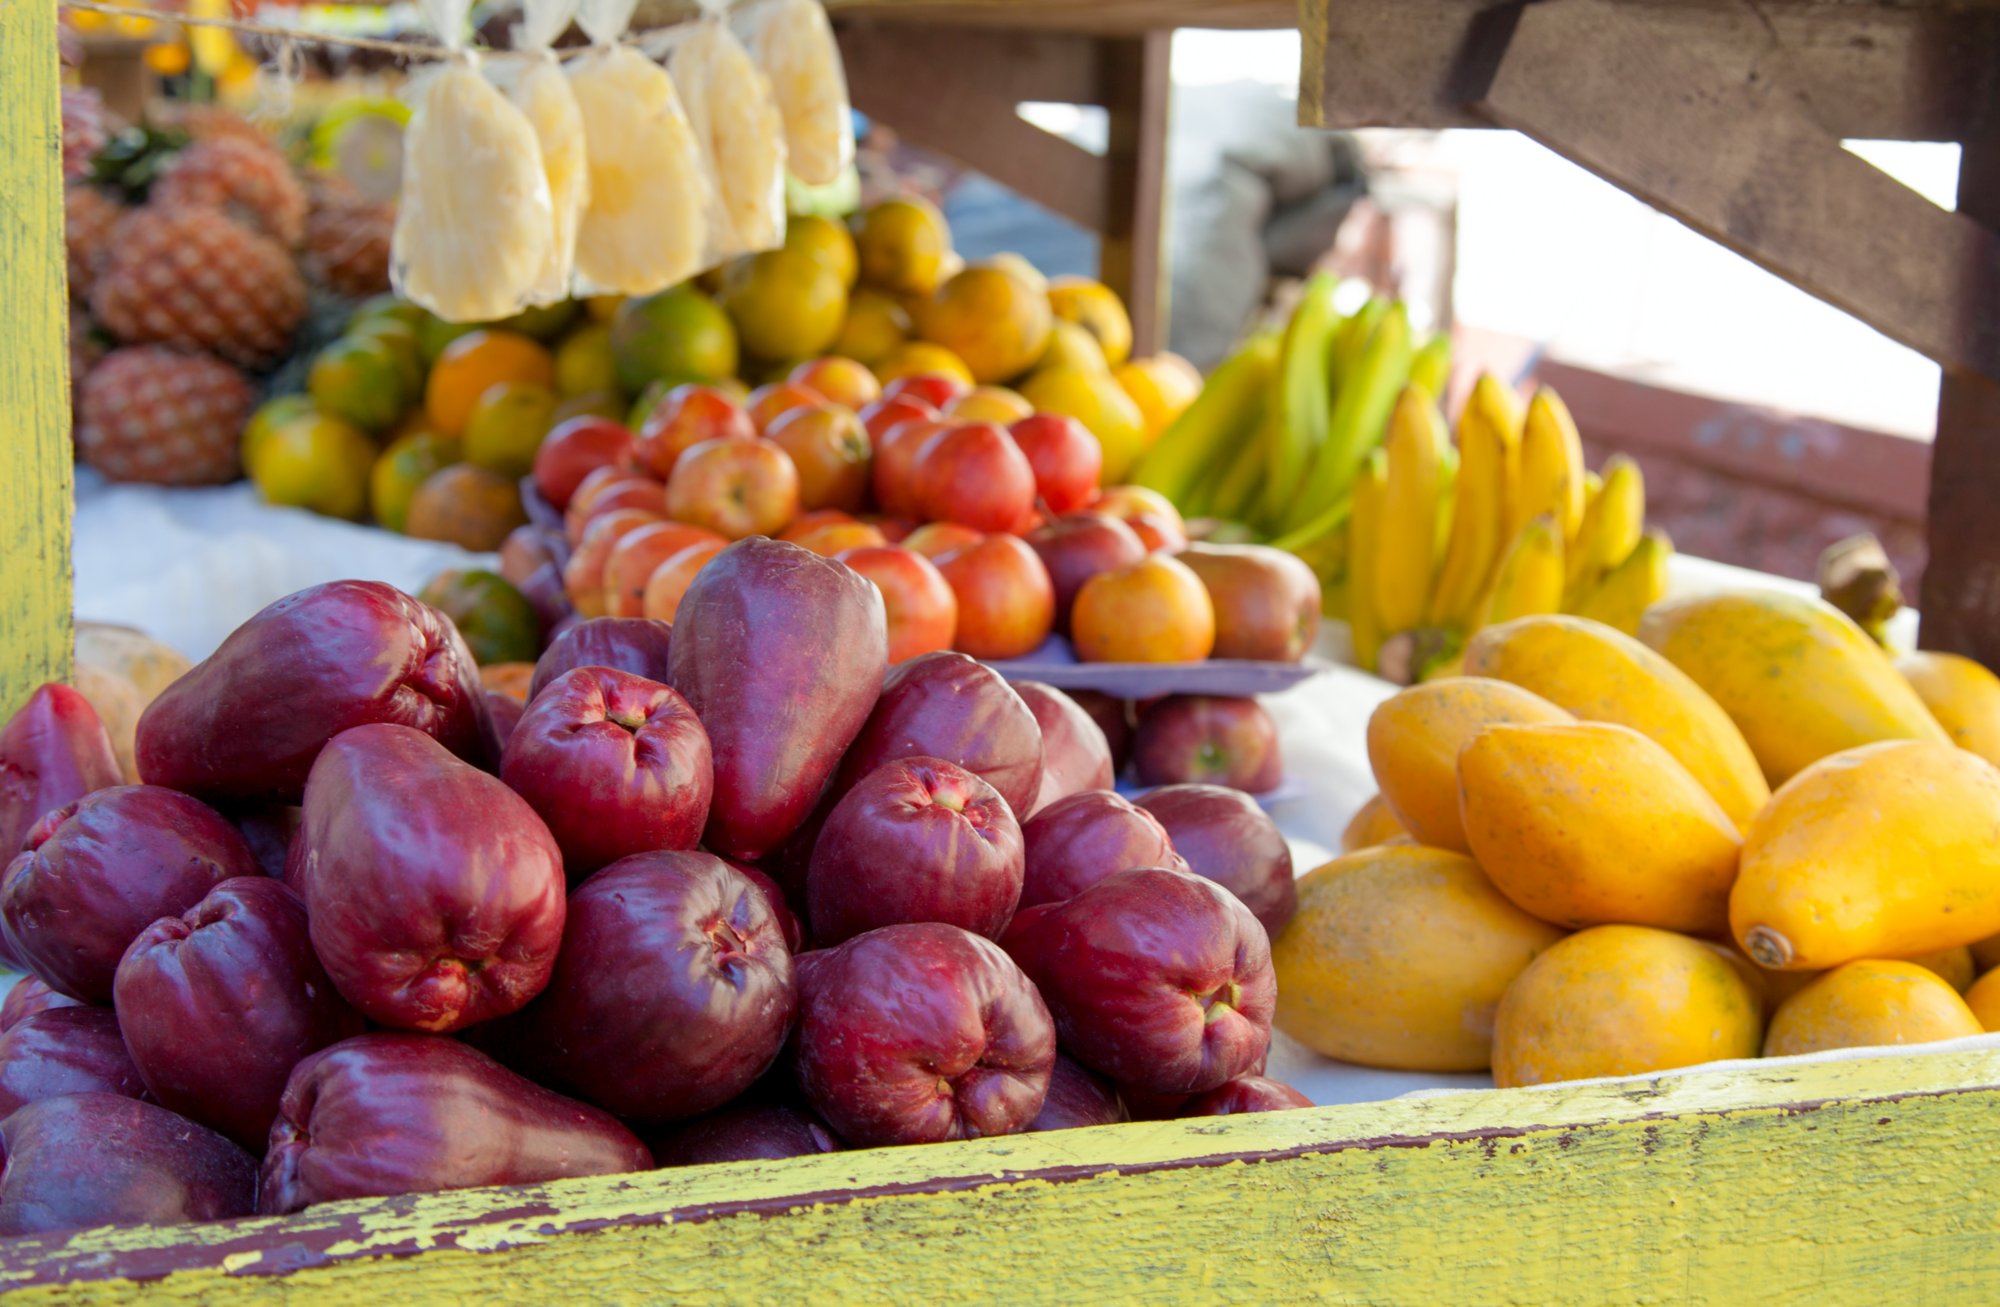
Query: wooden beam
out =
(1138, 86)
(1715, 134)
(1011, 66)
(1961, 593)
(35, 459)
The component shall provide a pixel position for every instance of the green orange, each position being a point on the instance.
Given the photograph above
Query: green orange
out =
(497, 621)
(786, 303)
(585, 362)
(474, 364)
(360, 380)
(314, 461)
(268, 415)
(406, 464)
(506, 427)
(675, 336)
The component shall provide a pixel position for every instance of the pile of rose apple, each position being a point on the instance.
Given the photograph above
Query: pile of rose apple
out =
(731, 889)
(983, 537)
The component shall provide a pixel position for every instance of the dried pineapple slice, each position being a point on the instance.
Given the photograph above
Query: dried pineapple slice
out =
(735, 117)
(647, 224)
(795, 47)
(536, 86)
(475, 223)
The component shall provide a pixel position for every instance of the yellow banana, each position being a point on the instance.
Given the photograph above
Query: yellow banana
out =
(1404, 557)
(1364, 534)
(1613, 521)
(1431, 368)
(1304, 397)
(1551, 472)
(1360, 413)
(1593, 486)
(1215, 425)
(1530, 579)
(1633, 586)
(1488, 451)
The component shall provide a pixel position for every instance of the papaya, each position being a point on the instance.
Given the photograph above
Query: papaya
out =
(1621, 1001)
(1867, 1003)
(1604, 675)
(1886, 851)
(1986, 954)
(1413, 743)
(1590, 824)
(1796, 675)
(1953, 966)
(1371, 824)
(1984, 1000)
(1961, 694)
(1397, 957)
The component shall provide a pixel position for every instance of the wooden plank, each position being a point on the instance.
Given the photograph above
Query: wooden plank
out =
(1829, 1183)
(1961, 592)
(1714, 134)
(1010, 66)
(1890, 72)
(35, 461)
(1138, 85)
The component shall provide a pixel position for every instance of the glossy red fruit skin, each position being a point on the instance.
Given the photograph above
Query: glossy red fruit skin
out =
(1078, 1096)
(639, 645)
(1066, 458)
(745, 1132)
(889, 1016)
(248, 721)
(575, 449)
(102, 870)
(973, 473)
(615, 764)
(1076, 547)
(268, 830)
(1075, 754)
(1156, 978)
(1227, 838)
(789, 925)
(1114, 717)
(877, 418)
(781, 653)
(434, 892)
(219, 1004)
(673, 993)
(53, 751)
(505, 710)
(1249, 1093)
(392, 1113)
(1079, 840)
(1207, 739)
(946, 705)
(87, 1160)
(68, 1050)
(916, 839)
(27, 995)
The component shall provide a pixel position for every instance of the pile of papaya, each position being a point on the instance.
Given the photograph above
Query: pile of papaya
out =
(1747, 831)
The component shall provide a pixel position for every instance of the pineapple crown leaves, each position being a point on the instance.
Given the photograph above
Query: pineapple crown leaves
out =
(134, 159)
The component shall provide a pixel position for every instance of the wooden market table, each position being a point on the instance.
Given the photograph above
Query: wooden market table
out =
(1857, 1180)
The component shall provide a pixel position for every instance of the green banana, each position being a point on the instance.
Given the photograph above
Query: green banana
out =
(1360, 415)
(1303, 398)
(1344, 352)
(1234, 482)
(1215, 425)
(1431, 368)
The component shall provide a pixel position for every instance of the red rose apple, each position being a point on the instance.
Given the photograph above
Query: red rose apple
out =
(53, 751)
(66, 1050)
(1209, 739)
(744, 1132)
(28, 995)
(81, 1161)
(1065, 457)
(1078, 1096)
(1226, 837)
(1246, 1094)
(637, 645)
(945, 705)
(1075, 754)
(1076, 842)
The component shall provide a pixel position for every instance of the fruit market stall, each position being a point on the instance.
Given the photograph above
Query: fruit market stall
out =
(413, 915)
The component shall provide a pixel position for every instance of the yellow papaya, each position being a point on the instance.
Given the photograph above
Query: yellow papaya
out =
(1603, 675)
(1797, 676)
(1622, 1001)
(1397, 957)
(1890, 850)
(1953, 966)
(1413, 743)
(1371, 824)
(1961, 694)
(1868, 1003)
(1984, 1000)
(1591, 824)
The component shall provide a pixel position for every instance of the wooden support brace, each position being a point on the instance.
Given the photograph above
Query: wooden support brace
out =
(1138, 86)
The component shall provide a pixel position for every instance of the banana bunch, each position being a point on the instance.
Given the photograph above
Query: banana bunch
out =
(1283, 429)
(1443, 542)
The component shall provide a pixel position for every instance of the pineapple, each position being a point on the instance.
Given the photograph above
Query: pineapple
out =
(90, 214)
(86, 128)
(86, 347)
(195, 279)
(249, 181)
(154, 414)
(347, 238)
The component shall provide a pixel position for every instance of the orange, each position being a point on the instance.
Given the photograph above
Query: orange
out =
(314, 461)
(675, 336)
(989, 404)
(918, 358)
(874, 326)
(1162, 386)
(1071, 348)
(826, 240)
(1153, 611)
(585, 364)
(269, 416)
(903, 244)
(406, 464)
(360, 380)
(1096, 308)
(992, 318)
(1097, 401)
(466, 506)
(474, 363)
(497, 621)
(786, 303)
(506, 427)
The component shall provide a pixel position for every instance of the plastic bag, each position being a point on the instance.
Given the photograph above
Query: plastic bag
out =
(535, 84)
(735, 117)
(793, 43)
(474, 223)
(648, 222)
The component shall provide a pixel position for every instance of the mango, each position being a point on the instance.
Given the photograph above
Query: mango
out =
(1371, 824)
(1886, 851)
(1589, 824)
(1603, 675)
(1413, 744)
(1868, 1003)
(1961, 694)
(1621, 1001)
(1797, 676)
(1397, 957)
(1984, 1000)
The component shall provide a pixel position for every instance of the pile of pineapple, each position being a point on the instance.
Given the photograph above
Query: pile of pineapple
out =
(192, 245)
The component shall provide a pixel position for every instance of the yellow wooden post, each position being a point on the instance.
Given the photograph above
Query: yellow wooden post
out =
(35, 480)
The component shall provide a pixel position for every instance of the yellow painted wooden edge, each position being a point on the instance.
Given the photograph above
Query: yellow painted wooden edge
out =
(35, 464)
(1856, 1181)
